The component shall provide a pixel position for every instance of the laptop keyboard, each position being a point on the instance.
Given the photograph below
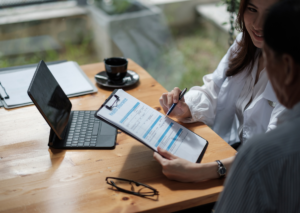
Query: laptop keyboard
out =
(84, 129)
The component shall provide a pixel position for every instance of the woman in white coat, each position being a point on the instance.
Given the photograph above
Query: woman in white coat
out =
(237, 100)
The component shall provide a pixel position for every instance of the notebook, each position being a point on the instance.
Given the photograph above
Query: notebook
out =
(69, 129)
(151, 127)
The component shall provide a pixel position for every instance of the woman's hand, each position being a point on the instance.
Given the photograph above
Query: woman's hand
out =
(181, 110)
(176, 168)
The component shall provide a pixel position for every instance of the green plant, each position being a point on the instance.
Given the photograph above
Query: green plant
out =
(232, 5)
(233, 8)
(113, 7)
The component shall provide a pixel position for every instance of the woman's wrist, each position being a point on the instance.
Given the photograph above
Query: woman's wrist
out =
(186, 115)
(211, 170)
(206, 171)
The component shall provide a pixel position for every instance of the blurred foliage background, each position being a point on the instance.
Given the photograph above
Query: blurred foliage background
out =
(201, 52)
(197, 44)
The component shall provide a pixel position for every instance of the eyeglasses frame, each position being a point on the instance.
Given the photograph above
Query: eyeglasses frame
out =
(155, 192)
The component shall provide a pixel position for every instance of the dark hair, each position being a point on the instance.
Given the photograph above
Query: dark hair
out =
(244, 55)
(282, 28)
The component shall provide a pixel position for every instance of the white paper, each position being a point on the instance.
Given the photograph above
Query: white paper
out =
(16, 83)
(152, 127)
(69, 78)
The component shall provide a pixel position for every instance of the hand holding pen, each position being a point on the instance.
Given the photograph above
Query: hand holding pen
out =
(174, 104)
(169, 100)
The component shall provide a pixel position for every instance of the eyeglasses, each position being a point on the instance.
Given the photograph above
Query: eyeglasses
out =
(131, 187)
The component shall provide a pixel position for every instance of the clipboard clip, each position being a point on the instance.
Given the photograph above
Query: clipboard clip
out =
(6, 95)
(114, 104)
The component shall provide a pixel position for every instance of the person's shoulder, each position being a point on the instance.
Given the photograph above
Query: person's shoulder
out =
(239, 37)
(234, 48)
(219, 75)
(237, 40)
(271, 146)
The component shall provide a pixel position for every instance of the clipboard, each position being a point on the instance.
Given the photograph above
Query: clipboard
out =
(112, 98)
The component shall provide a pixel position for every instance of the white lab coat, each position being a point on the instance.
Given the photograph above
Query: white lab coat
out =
(215, 104)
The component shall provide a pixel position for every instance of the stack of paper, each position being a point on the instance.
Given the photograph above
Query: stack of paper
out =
(69, 75)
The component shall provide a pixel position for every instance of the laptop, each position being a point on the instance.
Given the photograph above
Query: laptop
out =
(69, 129)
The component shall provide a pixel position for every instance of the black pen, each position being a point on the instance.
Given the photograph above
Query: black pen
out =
(173, 105)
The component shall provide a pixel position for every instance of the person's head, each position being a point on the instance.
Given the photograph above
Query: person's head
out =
(282, 51)
(250, 20)
(254, 13)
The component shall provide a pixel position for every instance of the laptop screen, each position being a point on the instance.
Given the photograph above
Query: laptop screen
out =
(50, 99)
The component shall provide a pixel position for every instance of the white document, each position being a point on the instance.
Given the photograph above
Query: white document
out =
(152, 127)
(68, 75)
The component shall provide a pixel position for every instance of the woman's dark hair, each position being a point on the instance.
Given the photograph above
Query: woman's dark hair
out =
(244, 55)
(282, 28)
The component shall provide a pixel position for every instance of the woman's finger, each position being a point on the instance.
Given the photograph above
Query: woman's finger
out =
(158, 158)
(165, 99)
(162, 105)
(176, 93)
(170, 99)
(165, 153)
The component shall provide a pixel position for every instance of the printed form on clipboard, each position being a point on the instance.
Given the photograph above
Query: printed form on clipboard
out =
(151, 127)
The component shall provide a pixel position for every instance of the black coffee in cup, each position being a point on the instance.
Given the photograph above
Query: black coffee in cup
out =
(116, 69)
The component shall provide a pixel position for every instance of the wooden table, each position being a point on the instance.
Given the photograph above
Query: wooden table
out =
(34, 178)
